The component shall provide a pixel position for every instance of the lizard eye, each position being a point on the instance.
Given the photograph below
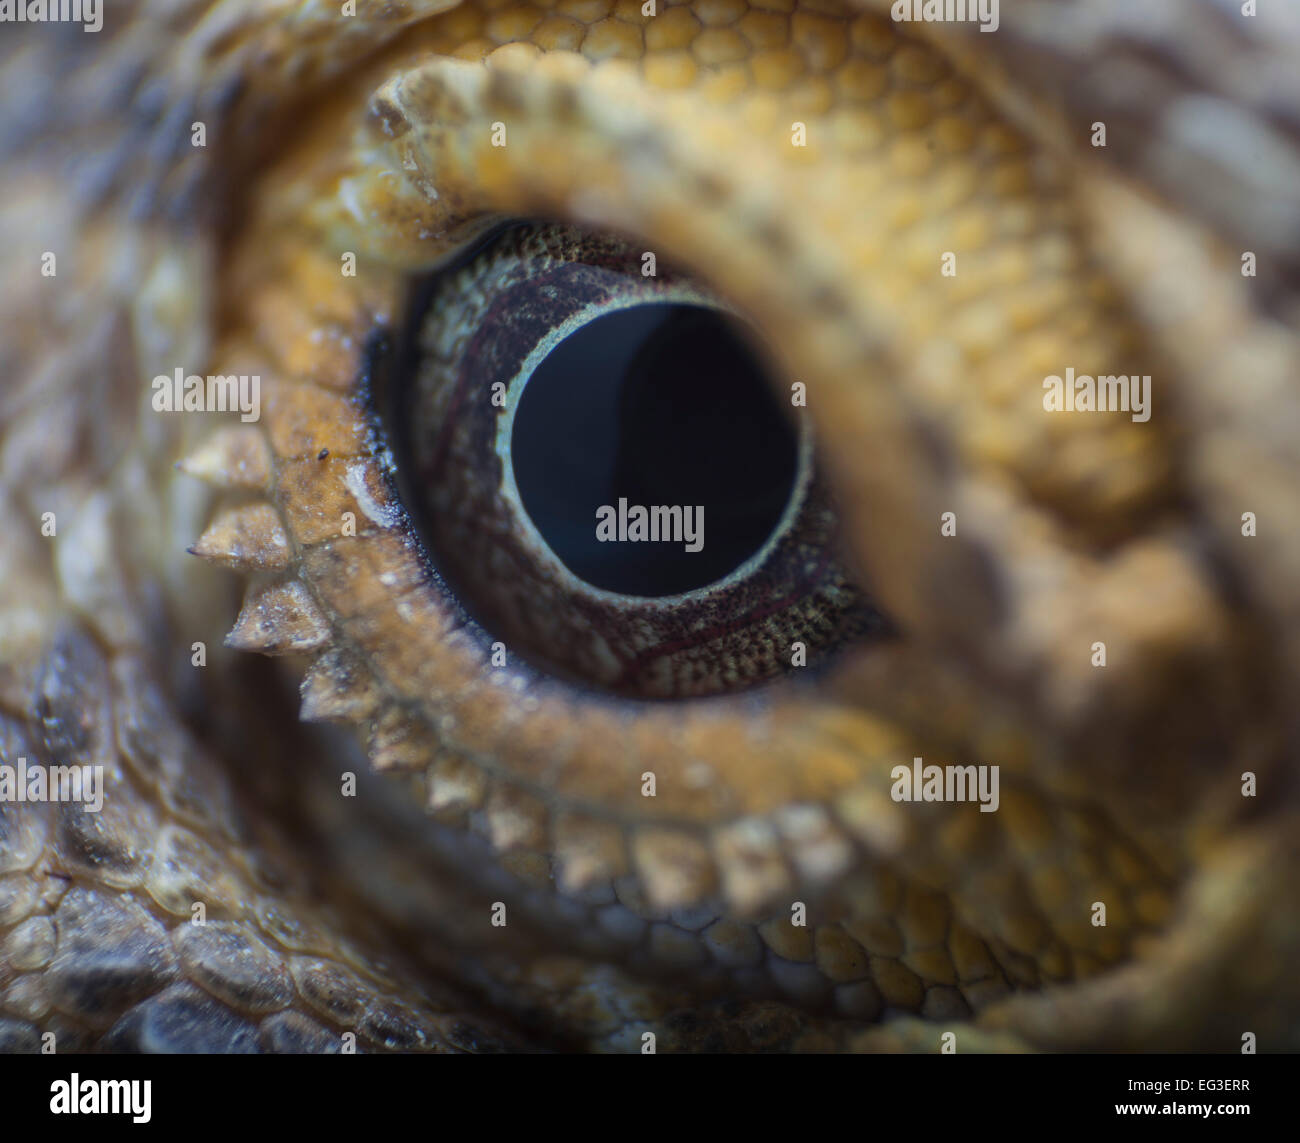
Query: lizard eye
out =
(604, 471)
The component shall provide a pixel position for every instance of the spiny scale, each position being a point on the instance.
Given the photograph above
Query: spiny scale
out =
(515, 819)
(337, 688)
(234, 456)
(455, 786)
(399, 740)
(247, 538)
(281, 619)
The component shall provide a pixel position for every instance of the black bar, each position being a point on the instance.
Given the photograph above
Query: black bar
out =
(1034, 1096)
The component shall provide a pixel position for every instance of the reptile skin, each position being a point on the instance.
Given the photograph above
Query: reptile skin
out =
(480, 788)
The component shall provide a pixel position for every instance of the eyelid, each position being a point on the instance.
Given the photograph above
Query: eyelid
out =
(312, 501)
(393, 654)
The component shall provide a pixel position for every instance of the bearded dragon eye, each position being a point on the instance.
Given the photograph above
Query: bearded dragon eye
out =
(607, 476)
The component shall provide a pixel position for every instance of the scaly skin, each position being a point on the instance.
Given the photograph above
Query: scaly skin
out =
(328, 914)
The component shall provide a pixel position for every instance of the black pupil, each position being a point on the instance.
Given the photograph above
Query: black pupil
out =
(663, 405)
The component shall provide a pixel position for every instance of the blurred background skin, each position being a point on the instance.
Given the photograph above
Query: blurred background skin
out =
(154, 247)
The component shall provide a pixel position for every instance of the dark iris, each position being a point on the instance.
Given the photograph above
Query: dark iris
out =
(662, 404)
(544, 380)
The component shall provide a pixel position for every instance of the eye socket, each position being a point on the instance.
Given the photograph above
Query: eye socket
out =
(603, 474)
